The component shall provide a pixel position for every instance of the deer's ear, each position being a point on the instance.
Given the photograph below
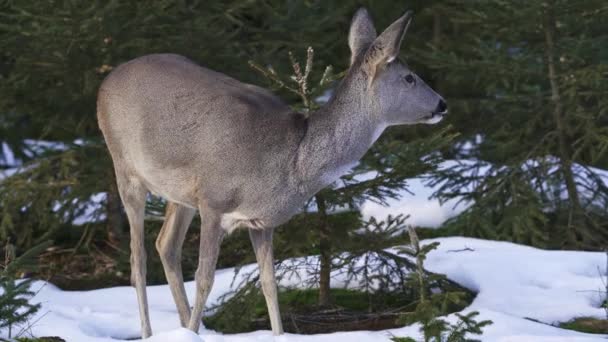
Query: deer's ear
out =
(362, 33)
(386, 47)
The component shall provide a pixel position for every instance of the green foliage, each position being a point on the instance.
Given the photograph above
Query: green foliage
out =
(15, 308)
(526, 88)
(402, 339)
(369, 267)
(438, 330)
(48, 193)
(466, 324)
(237, 313)
(432, 304)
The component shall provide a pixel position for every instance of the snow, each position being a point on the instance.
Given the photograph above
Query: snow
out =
(414, 202)
(92, 211)
(7, 157)
(549, 286)
(425, 211)
(417, 204)
(515, 284)
(31, 148)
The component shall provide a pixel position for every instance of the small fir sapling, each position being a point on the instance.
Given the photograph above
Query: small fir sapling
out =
(432, 304)
(15, 293)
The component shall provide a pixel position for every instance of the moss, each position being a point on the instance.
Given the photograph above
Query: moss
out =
(350, 310)
(587, 324)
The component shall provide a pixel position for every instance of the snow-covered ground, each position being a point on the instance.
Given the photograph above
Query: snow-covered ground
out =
(523, 290)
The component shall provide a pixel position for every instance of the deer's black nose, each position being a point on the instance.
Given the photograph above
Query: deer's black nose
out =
(442, 108)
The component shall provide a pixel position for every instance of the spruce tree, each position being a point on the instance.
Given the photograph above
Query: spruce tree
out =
(15, 293)
(525, 86)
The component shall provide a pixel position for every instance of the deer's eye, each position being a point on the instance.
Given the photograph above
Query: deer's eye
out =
(409, 79)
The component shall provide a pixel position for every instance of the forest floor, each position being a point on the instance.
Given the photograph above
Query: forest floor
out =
(526, 292)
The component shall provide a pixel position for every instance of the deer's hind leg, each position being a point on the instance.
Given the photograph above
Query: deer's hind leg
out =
(210, 241)
(169, 246)
(133, 195)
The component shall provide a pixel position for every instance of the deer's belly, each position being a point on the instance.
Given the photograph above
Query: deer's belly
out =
(171, 184)
(266, 212)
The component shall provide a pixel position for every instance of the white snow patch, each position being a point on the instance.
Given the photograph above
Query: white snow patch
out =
(422, 210)
(92, 209)
(6, 155)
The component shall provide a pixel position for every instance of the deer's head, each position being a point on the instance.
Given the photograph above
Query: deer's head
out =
(388, 87)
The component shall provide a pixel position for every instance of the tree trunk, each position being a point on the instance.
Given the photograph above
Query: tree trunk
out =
(558, 116)
(325, 253)
(437, 15)
(436, 29)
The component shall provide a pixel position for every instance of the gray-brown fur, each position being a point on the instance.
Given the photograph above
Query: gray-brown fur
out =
(239, 154)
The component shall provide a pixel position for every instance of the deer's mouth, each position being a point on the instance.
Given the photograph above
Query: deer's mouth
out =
(435, 117)
(439, 114)
(440, 111)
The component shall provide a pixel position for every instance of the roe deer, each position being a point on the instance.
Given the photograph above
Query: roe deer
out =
(240, 155)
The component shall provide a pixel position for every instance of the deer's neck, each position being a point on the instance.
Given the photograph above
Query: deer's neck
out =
(337, 137)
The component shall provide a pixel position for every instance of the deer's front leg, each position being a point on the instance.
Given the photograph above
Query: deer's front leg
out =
(211, 239)
(262, 246)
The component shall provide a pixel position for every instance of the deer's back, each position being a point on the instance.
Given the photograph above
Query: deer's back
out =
(189, 132)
